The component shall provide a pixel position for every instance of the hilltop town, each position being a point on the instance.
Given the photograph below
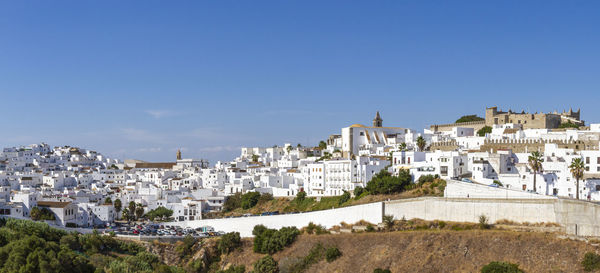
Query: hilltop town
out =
(532, 153)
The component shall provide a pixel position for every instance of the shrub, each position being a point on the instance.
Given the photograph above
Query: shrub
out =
(332, 253)
(388, 221)
(469, 118)
(484, 130)
(501, 267)
(249, 200)
(344, 198)
(379, 270)
(315, 229)
(266, 264)
(370, 228)
(233, 202)
(591, 261)
(358, 191)
(159, 212)
(483, 222)
(271, 240)
(300, 196)
(385, 183)
(425, 178)
(185, 247)
(229, 242)
(265, 197)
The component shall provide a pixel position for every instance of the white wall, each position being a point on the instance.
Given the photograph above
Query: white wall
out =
(372, 212)
(458, 189)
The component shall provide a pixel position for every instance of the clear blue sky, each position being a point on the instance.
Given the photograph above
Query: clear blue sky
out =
(139, 79)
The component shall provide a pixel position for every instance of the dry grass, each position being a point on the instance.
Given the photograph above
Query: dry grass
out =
(432, 251)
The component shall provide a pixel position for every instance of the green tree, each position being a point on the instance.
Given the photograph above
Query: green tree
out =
(126, 214)
(535, 160)
(108, 200)
(469, 118)
(344, 198)
(568, 124)
(139, 211)
(300, 196)
(254, 158)
(118, 206)
(233, 202)
(159, 213)
(288, 149)
(358, 191)
(402, 146)
(483, 131)
(385, 183)
(266, 264)
(577, 168)
(421, 143)
(249, 200)
(322, 145)
(132, 207)
(35, 213)
(229, 242)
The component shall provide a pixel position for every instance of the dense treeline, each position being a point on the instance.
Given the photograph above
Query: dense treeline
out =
(27, 246)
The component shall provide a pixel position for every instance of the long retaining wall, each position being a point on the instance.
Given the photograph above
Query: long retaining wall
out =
(576, 217)
(372, 212)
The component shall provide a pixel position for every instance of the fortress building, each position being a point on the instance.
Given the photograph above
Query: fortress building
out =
(532, 121)
(494, 116)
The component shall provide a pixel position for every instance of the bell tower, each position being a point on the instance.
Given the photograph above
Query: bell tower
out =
(178, 154)
(377, 121)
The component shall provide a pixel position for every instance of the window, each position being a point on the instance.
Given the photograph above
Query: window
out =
(587, 160)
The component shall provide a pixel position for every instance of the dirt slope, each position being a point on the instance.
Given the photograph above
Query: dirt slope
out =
(433, 251)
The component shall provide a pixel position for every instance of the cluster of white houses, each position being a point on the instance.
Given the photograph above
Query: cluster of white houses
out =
(73, 183)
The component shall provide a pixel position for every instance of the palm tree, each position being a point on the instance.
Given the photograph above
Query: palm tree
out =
(421, 143)
(402, 146)
(118, 206)
(577, 167)
(125, 214)
(388, 221)
(535, 163)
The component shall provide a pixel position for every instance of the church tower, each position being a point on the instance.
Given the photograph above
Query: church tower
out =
(377, 121)
(178, 154)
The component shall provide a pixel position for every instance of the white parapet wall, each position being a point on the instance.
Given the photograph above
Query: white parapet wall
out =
(469, 209)
(459, 189)
(372, 212)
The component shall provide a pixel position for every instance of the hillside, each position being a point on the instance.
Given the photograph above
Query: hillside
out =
(432, 251)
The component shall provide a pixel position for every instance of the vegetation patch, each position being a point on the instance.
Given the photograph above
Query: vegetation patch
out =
(591, 261)
(271, 240)
(501, 267)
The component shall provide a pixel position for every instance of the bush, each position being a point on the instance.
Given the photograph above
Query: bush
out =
(385, 183)
(501, 267)
(370, 228)
(358, 191)
(332, 253)
(483, 222)
(71, 225)
(315, 229)
(388, 221)
(591, 261)
(265, 197)
(233, 202)
(159, 213)
(344, 198)
(426, 178)
(249, 200)
(185, 247)
(266, 264)
(300, 196)
(484, 130)
(379, 270)
(272, 240)
(229, 242)
(469, 118)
